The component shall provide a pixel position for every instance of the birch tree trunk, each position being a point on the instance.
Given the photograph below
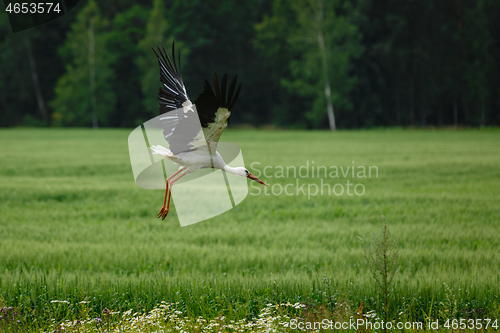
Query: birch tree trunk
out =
(93, 101)
(36, 82)
(328, 93)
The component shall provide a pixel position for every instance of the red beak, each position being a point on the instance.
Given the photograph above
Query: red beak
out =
(252, 177)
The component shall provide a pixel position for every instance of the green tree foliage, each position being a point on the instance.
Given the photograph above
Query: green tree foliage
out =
(18, 101)
(14, 77)
(219, 35)
(270, 41)
(423, 62)
(156, 31)
(387, 62)
(84, 94)
(321, 40)
(329, 41)
(482, 61)
(124, 43)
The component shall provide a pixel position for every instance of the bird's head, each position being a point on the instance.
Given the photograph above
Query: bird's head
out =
(244, 172)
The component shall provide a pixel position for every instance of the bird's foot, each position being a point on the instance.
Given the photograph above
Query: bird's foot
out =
(163, 213)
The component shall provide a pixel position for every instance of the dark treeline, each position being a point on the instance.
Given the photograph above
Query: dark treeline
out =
(303, 63)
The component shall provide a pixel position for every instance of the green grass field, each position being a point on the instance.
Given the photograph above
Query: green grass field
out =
(74, 226)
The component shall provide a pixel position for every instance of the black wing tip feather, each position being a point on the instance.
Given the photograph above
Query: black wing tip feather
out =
(235, 98)
(224, 98)
(165, 58)
(172, 93)
(216, 87)
(173, 53)
(210, 100)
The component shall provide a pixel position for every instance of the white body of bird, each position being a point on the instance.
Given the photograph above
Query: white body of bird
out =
(198, 159)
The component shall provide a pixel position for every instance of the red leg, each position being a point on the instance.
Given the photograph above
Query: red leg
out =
(164, 212)
(165, 200)
(175, 174)
(176, 179)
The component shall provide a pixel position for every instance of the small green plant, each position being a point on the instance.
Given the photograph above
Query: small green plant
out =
(381, 254)
(449, 307)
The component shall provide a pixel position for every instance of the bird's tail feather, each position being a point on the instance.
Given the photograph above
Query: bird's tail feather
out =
(159, 150)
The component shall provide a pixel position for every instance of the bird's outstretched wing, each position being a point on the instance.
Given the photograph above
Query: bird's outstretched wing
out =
(214, 108)
(179, 121)
(172, 94)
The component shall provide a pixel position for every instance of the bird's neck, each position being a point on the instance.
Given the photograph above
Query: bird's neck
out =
(229, 169)
(220, 164)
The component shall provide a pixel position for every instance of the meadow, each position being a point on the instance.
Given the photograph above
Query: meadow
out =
(74, 227)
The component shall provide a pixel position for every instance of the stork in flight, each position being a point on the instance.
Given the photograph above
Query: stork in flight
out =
(213, 109)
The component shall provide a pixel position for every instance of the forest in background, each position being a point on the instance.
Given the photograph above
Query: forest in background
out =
(302, 63)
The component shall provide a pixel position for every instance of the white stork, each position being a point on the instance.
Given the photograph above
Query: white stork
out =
(213, 109)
